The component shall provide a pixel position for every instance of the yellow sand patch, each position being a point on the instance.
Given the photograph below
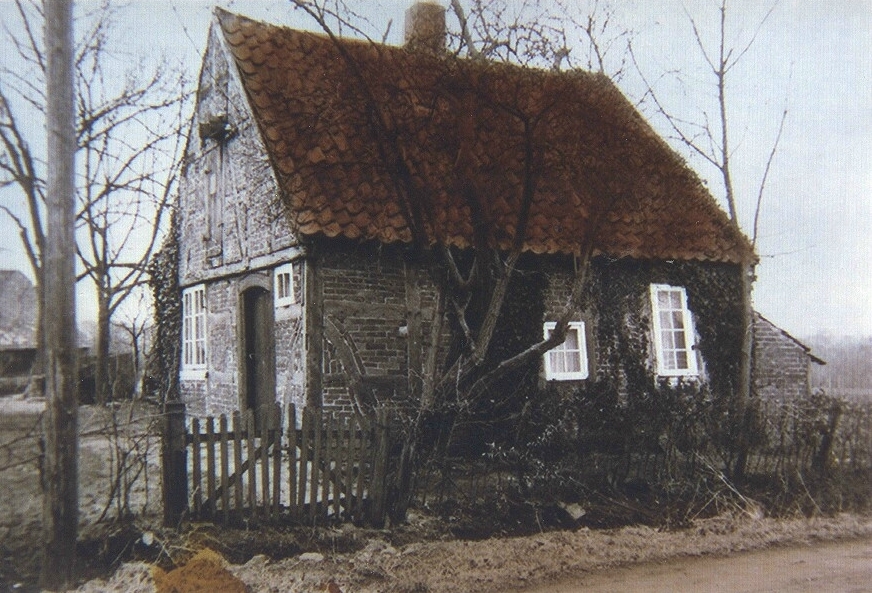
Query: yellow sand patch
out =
(206, 572)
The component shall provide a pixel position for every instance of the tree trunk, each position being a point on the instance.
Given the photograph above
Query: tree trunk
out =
(103, 391)
(36, 387)
(59, 470)
(742, 407)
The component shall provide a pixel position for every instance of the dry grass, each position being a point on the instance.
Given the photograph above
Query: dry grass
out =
(507, 564)
(21, 503)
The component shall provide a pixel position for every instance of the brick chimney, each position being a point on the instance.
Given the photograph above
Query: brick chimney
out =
(425, 27)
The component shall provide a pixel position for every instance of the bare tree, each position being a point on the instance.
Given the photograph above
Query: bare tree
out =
(128, 131)
(558, 35)
(710, 138)
(60, 465)
(473, 285)
(135, 324)
(126, 187)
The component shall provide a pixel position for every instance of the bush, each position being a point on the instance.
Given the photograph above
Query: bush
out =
(669, 448)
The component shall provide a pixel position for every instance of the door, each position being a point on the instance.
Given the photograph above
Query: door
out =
(258, 348)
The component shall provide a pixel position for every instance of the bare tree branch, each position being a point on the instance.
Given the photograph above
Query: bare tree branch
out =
(769, 160)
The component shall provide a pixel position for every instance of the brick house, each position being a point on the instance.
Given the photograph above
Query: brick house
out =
(17, 330)
(782, 364)
(294, 243)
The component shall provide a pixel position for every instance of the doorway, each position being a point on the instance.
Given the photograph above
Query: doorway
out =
(258, 352)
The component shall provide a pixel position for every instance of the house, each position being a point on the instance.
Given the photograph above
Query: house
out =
(294, 240)
(17, 330)
(782, 364)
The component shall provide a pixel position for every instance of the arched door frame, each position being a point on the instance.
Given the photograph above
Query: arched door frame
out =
(262, 282)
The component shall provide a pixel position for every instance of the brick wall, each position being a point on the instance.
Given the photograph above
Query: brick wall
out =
(781, 364)
(290, 346)
(364, 296)
(363, 292)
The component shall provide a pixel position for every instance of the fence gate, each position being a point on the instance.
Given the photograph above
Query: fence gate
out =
(330, 469)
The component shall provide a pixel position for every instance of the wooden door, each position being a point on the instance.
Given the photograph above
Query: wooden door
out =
(258, 350)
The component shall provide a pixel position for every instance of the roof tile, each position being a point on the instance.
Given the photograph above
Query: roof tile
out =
(622, 176)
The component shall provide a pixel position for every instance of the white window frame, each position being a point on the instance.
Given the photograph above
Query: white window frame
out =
(195, 354)
(283, 286)
(667, 363)
(584, 371)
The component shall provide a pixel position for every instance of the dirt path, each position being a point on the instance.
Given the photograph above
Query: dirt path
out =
(724, 553)
(842, 567)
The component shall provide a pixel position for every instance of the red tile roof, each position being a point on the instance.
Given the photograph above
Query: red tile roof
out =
(458, 125)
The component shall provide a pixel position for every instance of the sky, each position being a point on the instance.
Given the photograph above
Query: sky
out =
(812, 58)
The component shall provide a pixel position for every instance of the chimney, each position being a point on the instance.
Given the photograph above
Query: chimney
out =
(425, 27)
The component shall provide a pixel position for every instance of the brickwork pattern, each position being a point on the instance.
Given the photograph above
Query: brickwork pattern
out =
(781, 364)
(290, 347)
(364, 297)
(616, 309)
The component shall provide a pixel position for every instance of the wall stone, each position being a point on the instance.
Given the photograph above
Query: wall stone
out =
(364, 298)
(290, 347)
(364, 294)
(781, 364)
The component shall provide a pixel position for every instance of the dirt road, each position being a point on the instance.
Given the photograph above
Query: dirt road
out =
(834, 567)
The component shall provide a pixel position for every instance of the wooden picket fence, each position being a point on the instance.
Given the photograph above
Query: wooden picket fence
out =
(330, 469)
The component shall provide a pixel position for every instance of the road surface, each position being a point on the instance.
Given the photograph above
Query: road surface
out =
(843, 567)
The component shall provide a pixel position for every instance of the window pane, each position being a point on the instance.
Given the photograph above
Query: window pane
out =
(662, 300)
(571, 342)
(557, 365)
(680, 342)
(573, 362)
(665, 320)
(673, 325)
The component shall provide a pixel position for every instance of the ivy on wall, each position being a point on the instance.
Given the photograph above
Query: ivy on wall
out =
(620, 290)
(162, 367)
(625, 414)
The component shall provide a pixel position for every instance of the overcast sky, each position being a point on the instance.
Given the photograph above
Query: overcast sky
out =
(812, 57)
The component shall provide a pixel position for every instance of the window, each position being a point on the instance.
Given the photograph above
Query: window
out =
(214, 195)
(673, 331)
(568, 361)
(194, 333)
(283, 278)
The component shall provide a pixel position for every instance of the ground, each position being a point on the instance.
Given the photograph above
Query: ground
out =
(422, 556)
(552, 561)
(842, 566)
(105, 432)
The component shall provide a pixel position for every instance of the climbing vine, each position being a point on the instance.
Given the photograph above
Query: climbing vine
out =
(162, 367)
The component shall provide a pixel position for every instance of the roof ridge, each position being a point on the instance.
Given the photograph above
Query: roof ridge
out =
(594, 143)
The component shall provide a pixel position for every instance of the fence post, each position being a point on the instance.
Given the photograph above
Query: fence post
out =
(822, 458)
(379, 470)
(174, 464)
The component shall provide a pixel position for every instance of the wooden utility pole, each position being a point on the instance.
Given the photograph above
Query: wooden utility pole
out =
(60, 465)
